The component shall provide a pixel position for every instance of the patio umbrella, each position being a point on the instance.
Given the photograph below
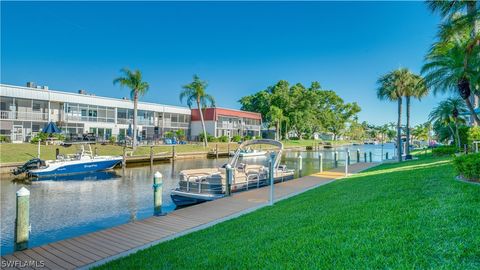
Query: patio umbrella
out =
(51, 128)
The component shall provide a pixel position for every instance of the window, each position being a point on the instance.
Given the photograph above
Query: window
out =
(36, 107)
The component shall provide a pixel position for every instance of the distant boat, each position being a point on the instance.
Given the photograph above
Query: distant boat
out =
(251, 153)
(82, 162)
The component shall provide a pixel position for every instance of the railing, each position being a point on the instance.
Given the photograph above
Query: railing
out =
(14, 115)
(236, 126)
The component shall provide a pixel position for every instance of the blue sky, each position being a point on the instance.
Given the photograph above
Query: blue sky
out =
(238, 47)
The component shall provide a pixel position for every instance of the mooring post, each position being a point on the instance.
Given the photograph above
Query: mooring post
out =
(386, 155)
(228, 148)
(300, 164)
(228, 182)
(151, 156)
(22, 220)
(57, 153)
(271, 174)
(365, 157)
(347, 162)
(320, 159)
(335, 159)
(157, 193)
(174, 153)
(216, 150)
(358, 155)
(370, 155)
(38, 149)
(348, 157)
(95, 151)
(124, 159)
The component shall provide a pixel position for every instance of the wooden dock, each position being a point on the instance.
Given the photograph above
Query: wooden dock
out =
(99, 247)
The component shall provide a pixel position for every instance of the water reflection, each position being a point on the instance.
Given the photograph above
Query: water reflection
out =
(66, 207)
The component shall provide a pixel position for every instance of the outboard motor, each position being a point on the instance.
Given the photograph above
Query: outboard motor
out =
(33, 163)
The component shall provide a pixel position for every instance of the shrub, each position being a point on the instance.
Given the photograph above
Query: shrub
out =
(4, 139)
(223, 138)
(112, 139)
(247, 137)
(210, 138)
(468, 166)
(236, 138)
(44, 136)
(473, 134)
(444, 151)
(168, 135)
(463, 132)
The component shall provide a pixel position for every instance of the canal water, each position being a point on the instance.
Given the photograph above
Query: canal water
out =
(67, 207)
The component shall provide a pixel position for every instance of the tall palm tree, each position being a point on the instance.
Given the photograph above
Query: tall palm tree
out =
(445, 70)
(392, 87)
(416, 89)
(276, 116)
(448, 113)
(461, 16)
(194, 92)
(133, 80)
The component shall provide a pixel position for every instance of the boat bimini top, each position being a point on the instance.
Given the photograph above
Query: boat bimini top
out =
(246, 144)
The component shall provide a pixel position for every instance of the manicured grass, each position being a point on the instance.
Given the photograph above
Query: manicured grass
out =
(394, 216)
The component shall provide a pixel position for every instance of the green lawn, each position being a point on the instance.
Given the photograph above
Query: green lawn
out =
(412, 215)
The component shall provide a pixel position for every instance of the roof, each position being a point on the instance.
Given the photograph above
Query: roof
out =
(60, 96)
(212, 114)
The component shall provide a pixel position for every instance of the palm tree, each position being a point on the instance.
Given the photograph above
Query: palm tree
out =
(416, 89)
(392, 87)
(445, 70)
(194, 92)
(461, 16)
(276, 116)
(133, 80)
(448, 113)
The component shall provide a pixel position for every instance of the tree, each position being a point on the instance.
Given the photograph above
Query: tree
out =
(420, 132)
(276, 116)
(133, 80)
(416, 88)
(392, 87)
(195, 93)
(461, 17)
(445, 70)
(448, 114)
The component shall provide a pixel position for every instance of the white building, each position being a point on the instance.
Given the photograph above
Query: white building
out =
(24, 111)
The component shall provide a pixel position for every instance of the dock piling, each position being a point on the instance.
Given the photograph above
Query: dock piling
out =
(95, 151)
(358, 155)
(300, 165)
(320, 159)
(157, 193)
(271, 174)
(57, 153)
(216, 150)
(335, 159)
(174, 153)
(386, 155)
(347, 162)
(370, 156)
(151, 156)
(228, 181)
(365, 157)
(124, 160)
(22, 221)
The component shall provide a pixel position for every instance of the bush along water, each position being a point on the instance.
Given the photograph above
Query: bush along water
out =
(444, 151)
(468, 166)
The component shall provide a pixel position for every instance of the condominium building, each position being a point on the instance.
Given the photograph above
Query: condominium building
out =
(24, 111)
(226, 122)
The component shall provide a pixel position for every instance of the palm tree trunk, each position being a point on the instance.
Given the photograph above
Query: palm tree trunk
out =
(472, 111)
(399, 130)
(452, 131)
(205, 141)
(135, 110)
(457, 134)
(408, 126)
(474, 98)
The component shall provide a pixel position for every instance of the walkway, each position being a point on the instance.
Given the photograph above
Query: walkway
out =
(99, 247)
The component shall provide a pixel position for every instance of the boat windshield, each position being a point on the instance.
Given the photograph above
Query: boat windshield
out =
(247, 145)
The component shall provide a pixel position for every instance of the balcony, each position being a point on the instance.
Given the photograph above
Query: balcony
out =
(30, 116)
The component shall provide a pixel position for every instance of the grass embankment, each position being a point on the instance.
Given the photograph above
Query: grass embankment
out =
(10, 152)
(400, 216)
